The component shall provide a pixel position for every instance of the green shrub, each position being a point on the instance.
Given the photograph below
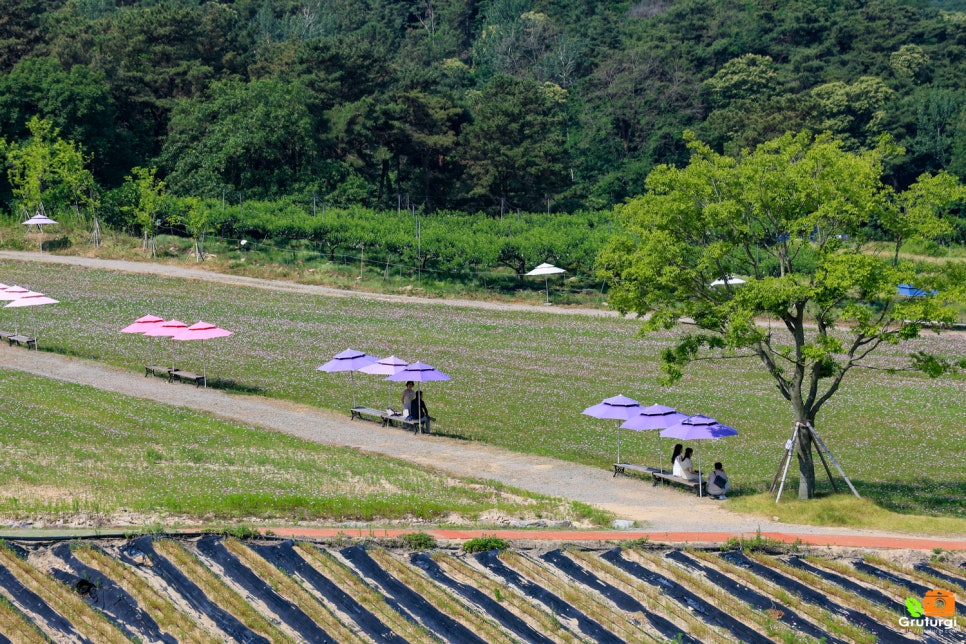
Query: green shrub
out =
(419, 541)
(485, 544)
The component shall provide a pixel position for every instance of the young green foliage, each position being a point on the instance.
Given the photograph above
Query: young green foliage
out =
(787, 217)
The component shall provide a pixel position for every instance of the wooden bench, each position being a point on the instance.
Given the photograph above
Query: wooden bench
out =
(22, 340)
(623, 468)
(6, 335)
(185, 376)
(670, 478)
(659, 475)
(411, 424)
(368, 413)
(154, 370)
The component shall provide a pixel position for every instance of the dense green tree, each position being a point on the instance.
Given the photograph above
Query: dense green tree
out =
(21, 30)
(777, 217)
(257, 137)
(78, 102)
(514, 144)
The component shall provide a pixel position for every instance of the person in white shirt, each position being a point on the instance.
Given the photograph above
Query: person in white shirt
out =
(407, 397)
(676, 460)
(687, 466)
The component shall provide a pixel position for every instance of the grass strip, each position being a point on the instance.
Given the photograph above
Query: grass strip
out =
(441, 598)
(581, 598)
(287, 586)
(76, 449)
(359, 590)
(89, 623)
(218, 591)
(169, 617)
(527, 610)
(841, 596)
(16, 627)
(825, 619)
(649, 596)
(720, 598)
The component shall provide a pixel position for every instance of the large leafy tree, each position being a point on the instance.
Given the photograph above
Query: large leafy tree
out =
(787, 218)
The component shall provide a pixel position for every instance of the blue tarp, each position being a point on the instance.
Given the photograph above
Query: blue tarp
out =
(909, 290)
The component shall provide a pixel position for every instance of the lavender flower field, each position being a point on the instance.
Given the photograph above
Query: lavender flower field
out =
(520, 380)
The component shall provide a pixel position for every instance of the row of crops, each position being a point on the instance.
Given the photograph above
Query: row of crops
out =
(212, 589)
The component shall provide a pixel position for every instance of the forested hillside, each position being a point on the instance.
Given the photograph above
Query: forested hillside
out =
(486, 105)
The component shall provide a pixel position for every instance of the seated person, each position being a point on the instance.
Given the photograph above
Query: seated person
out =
(687, 467)
(418, 411)
(676, 461)
(718, 482)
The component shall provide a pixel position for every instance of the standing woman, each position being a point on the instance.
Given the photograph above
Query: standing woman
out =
(407, 397)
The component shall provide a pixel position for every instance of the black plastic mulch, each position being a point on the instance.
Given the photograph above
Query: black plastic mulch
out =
(283, 556)
(882, 632)
(102, 593)
(753, 598)
(708, 613)
(621, 599)
(888, 576)
(211, 546)
(587, 626)
(940, 574)
(406, 600)
(493, 608)
(35, 607)
(871, 594)
(915, 587)
(192, 594)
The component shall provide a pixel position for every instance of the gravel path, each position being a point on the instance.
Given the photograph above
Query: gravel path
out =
(654, 508)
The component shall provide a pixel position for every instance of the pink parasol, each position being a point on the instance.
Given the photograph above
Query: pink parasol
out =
(12, 292)
(30, 298)
(143, 324)
(202, 331)
(166, 329)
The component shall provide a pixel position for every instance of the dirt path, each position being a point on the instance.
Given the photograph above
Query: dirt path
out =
(170, 270)
(656, 509)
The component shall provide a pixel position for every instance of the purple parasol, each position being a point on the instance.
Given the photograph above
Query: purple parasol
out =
(349, 360)
(615, 408)
(655, 417)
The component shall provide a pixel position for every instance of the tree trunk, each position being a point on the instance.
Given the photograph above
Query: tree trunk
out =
(806, 465)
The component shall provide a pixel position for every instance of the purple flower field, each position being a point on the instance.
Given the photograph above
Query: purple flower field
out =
(520, 380)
